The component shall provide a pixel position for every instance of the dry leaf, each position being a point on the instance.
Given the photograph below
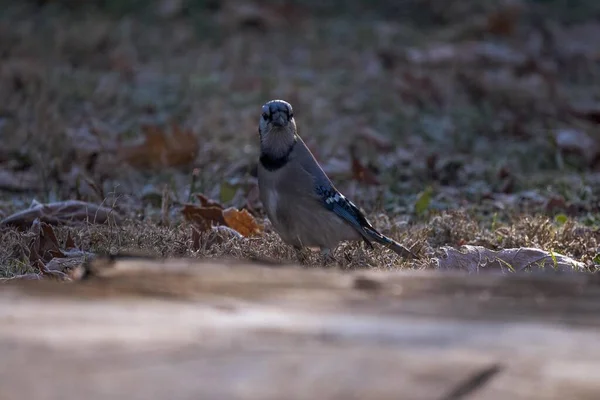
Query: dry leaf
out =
(46, 255)
(242, 221)
(204, 218)
(361, 173)
(161, 149)
(44, 245)
(69, 243)
(63, 212)
(476, 259)
(206, 202)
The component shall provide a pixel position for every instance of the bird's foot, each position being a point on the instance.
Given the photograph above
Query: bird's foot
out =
(301, 255)
(327, 256)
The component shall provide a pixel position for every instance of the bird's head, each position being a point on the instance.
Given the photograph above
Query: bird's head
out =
(277, 119)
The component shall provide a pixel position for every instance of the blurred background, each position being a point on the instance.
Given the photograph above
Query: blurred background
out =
(414, 107)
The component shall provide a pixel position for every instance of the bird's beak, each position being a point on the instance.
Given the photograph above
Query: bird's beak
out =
(279, 120)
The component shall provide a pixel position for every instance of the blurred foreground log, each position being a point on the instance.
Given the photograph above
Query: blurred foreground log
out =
(180, 329)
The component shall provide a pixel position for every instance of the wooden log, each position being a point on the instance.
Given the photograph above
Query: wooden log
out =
(187, 329)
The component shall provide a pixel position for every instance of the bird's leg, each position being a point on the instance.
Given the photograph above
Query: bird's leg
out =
(300, 254)
(327, 256)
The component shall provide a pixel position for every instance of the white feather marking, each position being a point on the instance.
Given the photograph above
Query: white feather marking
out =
(334, 199)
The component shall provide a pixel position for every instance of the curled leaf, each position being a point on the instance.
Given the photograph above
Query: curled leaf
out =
(46, 255)
(62, 213)
(206, 202)
(242, 221)
(44, 245)
(477, 259)
(204, 218)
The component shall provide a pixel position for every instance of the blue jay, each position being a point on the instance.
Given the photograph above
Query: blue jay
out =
(304, 207)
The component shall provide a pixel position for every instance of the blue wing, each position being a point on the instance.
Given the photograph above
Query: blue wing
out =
(345, 209)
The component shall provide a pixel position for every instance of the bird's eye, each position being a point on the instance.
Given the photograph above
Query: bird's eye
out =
(265, 115)
(291, 115)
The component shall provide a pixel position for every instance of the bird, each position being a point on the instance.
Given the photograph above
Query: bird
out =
(301, 202)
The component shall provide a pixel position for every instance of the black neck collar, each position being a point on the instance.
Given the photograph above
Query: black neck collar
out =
(272, 163)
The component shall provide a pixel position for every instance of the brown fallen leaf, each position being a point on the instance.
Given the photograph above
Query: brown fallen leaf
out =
(70, 243)
(161, 148)
(361, 173)
(204, 218)
(210, 214)
(46, 255)
(478, 259)
(206, 202)
(62, 212)
(44, 245)
(242, 221)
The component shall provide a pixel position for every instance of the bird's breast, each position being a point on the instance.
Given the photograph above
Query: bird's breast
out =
(271, 199)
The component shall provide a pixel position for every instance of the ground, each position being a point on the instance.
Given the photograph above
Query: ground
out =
(447, 122)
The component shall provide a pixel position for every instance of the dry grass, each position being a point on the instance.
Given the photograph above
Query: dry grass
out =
(76, 82)
(447, 229)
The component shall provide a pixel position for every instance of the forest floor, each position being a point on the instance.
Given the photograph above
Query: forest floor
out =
(473, 124)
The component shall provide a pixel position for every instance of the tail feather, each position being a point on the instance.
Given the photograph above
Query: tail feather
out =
(389, 243)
